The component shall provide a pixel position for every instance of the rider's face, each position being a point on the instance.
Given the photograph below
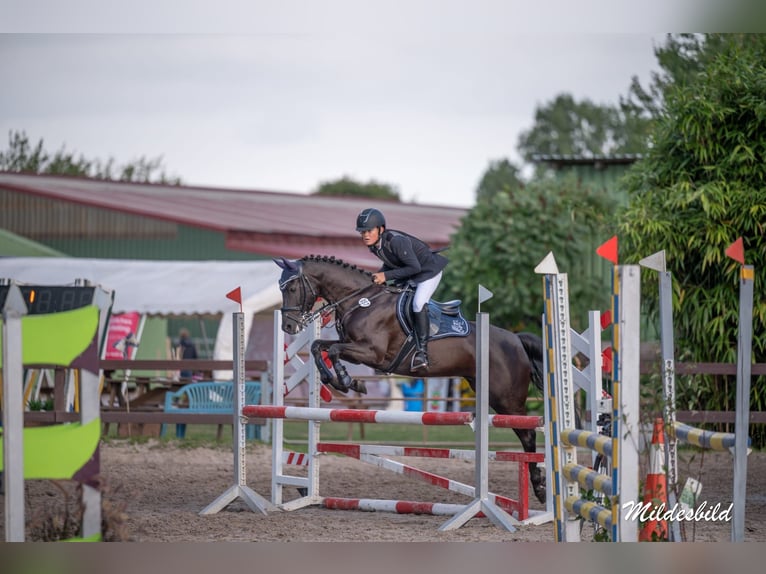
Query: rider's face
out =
(370, 236)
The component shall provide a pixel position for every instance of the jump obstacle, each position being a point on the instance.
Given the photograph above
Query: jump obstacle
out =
(738, 442)
(63, 451)
(484, 504)
(565, 475)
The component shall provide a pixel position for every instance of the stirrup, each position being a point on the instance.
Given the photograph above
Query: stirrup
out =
(419, 361)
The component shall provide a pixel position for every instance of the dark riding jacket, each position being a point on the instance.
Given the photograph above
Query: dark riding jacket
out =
(406, 258)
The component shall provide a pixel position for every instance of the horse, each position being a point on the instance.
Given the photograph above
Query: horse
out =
(371, 333)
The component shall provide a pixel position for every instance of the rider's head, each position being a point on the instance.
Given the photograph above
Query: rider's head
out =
(370, 223)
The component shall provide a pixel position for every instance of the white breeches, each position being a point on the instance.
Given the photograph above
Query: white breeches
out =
(424, 291)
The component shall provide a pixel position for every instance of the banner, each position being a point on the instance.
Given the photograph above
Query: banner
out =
(122, 339)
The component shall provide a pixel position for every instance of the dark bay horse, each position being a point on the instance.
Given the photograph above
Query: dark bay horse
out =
(370, 334)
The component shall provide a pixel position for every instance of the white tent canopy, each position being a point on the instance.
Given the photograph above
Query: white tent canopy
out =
(158, 287)
(163, 287)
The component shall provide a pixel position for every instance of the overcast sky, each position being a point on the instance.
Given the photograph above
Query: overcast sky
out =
(420, 95)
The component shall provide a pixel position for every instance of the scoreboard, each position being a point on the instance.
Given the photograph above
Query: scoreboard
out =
(43, 299)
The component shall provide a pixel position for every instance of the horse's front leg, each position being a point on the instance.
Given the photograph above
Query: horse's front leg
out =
(353, 353)
(325, 374)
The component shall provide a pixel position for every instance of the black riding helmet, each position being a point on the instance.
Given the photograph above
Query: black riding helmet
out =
(370, 219)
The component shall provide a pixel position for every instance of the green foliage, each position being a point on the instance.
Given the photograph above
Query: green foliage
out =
(40, 404)
(501, 175)
(568, 127)
(503, 238)
(702, 185)
(349, 187)
(22, 157)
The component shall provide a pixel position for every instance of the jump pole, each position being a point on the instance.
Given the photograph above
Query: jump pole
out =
(239, 489)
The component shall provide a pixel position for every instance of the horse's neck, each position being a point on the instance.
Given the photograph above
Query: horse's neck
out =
(334, 287)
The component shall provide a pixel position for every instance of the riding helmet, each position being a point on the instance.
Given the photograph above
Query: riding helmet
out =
(370, 219)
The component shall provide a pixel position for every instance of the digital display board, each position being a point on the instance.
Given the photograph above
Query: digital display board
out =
(43, 299)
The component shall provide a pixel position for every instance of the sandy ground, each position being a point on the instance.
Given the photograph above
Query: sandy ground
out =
(159, 490)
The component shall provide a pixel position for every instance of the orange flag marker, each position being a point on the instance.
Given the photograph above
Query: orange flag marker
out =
(236, 296)
(736, 251)
(608, 250)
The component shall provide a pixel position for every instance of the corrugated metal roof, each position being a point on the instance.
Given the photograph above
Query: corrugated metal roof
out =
(269, 223)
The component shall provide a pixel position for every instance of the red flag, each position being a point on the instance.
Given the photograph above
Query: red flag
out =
(235, 295)
(608, 250)
(736, 251)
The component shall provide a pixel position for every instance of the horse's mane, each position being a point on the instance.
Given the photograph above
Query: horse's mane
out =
(339, 262)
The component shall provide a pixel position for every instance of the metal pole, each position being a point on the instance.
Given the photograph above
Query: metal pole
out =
(744, 352)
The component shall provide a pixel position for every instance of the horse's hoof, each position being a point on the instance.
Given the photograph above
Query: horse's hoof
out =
(335, 384)
(359, 386)
(540, 493)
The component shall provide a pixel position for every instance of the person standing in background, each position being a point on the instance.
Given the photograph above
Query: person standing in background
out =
(185, 350)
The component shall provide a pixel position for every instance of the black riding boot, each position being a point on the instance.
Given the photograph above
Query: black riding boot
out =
(422, 325)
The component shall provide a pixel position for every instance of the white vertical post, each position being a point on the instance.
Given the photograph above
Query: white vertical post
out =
(13, 415)
(744, 352)
(625, 415)
(254, 501)
(482, 502)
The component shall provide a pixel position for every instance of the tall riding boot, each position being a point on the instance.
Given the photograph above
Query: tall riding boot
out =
(422, 326)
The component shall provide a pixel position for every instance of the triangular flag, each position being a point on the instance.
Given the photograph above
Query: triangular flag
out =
(655, 261)
(235, 295)
(547, 266)
(484, 294)
(325, 393)
(608, 250)
(736, 251)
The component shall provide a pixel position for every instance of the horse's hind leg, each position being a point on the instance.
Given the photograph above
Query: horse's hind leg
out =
(528, 438)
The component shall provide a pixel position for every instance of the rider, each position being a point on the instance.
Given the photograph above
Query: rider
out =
(405, 258)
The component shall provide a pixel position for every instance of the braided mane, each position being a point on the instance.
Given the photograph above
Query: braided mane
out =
(339, 262)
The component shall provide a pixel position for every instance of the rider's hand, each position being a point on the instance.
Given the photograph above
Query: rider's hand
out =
(379, 278)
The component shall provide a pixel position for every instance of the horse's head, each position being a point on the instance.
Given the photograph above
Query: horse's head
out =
(298, 295)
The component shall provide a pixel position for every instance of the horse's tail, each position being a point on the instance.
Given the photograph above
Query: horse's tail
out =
(533, 345)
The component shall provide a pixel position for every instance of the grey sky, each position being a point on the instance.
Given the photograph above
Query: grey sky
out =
(422, 98)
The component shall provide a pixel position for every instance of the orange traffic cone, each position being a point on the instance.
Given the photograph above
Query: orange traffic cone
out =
(656, 491)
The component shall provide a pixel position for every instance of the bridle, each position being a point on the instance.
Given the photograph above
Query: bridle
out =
(302, 314)
(304, 309)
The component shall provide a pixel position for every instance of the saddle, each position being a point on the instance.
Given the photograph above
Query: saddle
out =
(446, 318)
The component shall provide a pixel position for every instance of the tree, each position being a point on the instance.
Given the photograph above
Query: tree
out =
(567, 127)
(681, 59)
(22, 157)
(501, 175)
(702, 185)
(349, 187)
(507, 233)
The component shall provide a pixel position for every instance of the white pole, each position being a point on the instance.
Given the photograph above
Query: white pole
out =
(13, 415)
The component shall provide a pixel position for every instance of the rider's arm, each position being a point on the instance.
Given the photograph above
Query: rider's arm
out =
(401, 246)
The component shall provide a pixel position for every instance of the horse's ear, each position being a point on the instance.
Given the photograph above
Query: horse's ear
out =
(286, 263)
